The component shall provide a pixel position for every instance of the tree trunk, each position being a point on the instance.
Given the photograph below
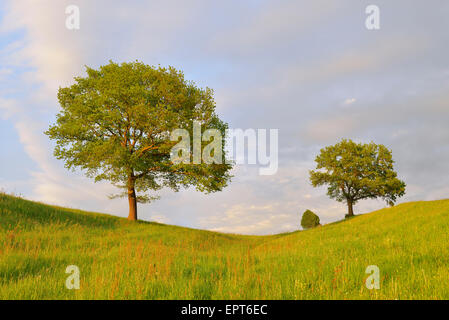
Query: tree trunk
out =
(132, 199)
(350, 209)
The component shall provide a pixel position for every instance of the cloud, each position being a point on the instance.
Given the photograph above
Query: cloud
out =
(160, 218)
(349, 101)
(241, 219)
(309, 69)
(8, 108)
(270, 26)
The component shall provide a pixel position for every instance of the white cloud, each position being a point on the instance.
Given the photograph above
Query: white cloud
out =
(160, 218)
(8, 108)
(349, 101)
(274, 65)
(271, 25)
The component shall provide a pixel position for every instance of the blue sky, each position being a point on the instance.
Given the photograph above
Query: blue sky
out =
(308, 68)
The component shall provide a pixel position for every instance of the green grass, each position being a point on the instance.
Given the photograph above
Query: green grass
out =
(124, 260)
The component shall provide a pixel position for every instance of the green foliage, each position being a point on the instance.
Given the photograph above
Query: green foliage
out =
(356, 171)
(309, 220)
(115, 124)
(119, 259)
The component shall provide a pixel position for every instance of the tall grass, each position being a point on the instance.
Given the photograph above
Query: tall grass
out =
(124, 260)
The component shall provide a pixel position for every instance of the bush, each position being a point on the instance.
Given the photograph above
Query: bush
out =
(309, 220)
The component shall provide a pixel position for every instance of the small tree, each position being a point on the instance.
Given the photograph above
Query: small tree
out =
(116, 124)
(309, 220)
(355, 171)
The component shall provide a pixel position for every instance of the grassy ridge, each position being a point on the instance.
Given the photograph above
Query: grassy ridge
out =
(119, 259)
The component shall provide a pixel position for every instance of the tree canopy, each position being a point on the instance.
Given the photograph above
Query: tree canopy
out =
(116, 123)
(356, 171)
(309, 220)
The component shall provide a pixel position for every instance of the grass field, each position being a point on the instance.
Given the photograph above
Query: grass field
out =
(124, 260)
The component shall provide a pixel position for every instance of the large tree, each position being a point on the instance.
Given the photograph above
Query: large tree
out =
(116, 125)
(356, 171)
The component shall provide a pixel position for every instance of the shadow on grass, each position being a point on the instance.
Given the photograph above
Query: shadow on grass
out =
(12, 208)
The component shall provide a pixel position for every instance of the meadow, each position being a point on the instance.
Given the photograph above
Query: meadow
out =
(119, 259)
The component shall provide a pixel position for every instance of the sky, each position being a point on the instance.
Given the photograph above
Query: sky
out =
(310, 69)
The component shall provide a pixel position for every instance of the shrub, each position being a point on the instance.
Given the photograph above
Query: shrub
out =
(309, 220)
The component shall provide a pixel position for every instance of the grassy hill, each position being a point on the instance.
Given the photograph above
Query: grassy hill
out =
(119, 259)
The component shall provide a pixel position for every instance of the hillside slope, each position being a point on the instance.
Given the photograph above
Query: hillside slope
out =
(120, 259)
